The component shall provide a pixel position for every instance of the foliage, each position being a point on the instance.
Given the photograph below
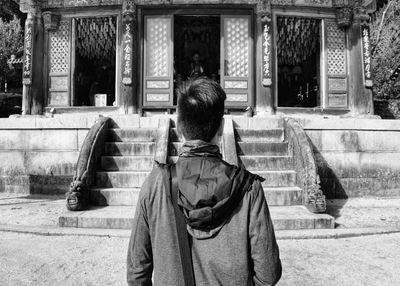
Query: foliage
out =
(11, 43)
(385, 43)
(9, 8)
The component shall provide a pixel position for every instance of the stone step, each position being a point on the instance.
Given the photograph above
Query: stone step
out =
(129, 148)
(268, 163)
(127, 163)
(175, 147)
(278, 178)
(283, 196)
(121, 217)
(134, 134)
(255, 135)
(262, 148)
(114, 196)
(261, 123)
(120, 179)
(175, 136)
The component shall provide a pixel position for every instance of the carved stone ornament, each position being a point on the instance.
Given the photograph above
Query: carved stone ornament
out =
(51, 20)
(77, 196)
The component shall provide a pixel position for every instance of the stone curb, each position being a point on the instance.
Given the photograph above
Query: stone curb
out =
(280, 234)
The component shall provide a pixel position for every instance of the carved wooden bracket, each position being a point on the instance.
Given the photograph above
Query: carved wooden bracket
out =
(51, 20)
(33, 7)
(344, 17)
(263, 10)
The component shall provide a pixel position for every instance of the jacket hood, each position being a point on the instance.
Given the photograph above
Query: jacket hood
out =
(209, 188)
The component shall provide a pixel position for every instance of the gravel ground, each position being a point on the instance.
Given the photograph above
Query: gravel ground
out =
(27, 259)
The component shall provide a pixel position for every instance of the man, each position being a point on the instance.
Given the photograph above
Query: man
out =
(231, 236)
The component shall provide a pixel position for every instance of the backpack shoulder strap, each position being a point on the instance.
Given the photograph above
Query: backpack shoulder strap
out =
(183, 237)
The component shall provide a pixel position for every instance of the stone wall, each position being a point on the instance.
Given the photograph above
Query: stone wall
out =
(356, 157)
(38, 155)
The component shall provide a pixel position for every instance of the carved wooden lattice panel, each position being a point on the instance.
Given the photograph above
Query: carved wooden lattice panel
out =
(236, 47)
(157, 47)
(60, 48)
(158, 81)
(336, 47)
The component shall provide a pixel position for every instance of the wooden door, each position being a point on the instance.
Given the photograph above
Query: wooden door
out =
(236, 59)
(158, 61)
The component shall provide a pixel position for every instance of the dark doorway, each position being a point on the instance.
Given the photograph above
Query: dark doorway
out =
(95, 58)
(298, 50)
(196, 46)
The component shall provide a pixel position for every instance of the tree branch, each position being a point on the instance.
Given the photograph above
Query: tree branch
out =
(381, 25)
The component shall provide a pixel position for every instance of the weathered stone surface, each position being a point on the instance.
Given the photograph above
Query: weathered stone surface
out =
(82, 133)
(260, 135)
(342, 188)
(335, 123)
(49, 185)
(355, 140)
(129, 135)
(262, 148)
(121, 179)
(130, 148)
(358, 164)
(15, 184)
(277, 178)
(267, 122)
(283, 196)
(121, 217)
(149, 122)
(17, 123)
(125, 121)
(37, 139)
(51, 163)
(268, 163)
(127, 163)
(12, 163)
(114, 196)
(62, 123)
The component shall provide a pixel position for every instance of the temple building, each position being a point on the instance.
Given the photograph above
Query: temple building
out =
(270, 56)
(101, 76)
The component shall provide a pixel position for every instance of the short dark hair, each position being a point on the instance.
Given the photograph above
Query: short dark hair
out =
(200, 108)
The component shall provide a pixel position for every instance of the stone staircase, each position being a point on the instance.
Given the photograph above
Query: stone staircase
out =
(266, 152)
(128, 159)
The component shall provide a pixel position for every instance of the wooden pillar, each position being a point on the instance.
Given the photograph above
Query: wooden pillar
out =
(361, 102)
(129, 62)
(264, 101)
(32, 90)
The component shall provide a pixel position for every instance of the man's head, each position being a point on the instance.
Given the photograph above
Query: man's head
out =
(200, 108)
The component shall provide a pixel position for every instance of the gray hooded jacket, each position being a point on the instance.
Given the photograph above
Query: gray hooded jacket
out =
(231, 234)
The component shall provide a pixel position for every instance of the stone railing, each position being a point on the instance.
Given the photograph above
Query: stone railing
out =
(162, 141)
(228, 142)
(78, 195)
(305, 166)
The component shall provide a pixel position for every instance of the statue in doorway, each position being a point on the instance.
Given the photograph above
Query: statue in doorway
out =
(196, 69)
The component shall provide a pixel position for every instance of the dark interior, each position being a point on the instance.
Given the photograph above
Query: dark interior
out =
(95, 60)
(298, 49)
(196, 35)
